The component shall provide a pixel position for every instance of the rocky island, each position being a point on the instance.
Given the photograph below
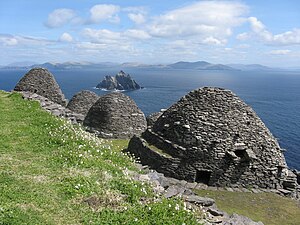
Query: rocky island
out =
(120, 81)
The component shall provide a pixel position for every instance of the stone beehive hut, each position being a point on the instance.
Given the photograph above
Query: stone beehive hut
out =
(211, 136)
(115, 115)
(152, 118)
(41, 82)
(82, 102)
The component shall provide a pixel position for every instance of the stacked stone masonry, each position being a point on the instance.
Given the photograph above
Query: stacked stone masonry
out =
(40, 81)
(115, 115)
(211, 136)
(82, 102)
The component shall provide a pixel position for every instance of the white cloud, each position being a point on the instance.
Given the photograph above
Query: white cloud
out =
(102, 36)
(286, 38)
(135, 9)
(138, 18)
(104, 12)
(256, 25)
(60, 17)
(214, 41)
(207, 20)
(137, 34)
(8, 40)
(107, 36)
(280, 52)
(66, 37)
(243, 36)
(289, 37)
(13, 40)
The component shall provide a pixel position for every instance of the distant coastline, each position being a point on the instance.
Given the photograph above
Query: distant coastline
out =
(198, 65)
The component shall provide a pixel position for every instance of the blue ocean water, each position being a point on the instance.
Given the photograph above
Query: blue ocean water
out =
(275, 96)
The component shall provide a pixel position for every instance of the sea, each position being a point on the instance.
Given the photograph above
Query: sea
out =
(274, 95)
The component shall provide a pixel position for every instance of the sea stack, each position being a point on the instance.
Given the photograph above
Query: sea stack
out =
(115, 115)
(211, 136)
(121, 81)
(82, 102)
(41, 82)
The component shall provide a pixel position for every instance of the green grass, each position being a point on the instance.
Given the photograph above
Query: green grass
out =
(269, 208)
(54, 173)
(158, 150)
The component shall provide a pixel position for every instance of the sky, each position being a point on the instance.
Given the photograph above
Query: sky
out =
(152, 32)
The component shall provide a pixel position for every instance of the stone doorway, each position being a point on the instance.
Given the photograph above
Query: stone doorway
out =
(203, 176)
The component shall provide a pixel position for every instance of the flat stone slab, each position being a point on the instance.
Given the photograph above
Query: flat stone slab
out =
(199, 200)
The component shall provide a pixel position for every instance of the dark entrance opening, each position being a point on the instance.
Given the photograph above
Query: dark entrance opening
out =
(203, 176)
(240, 153)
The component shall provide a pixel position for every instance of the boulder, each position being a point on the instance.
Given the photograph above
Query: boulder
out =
(41, 82)
(115, 115)
(82, 102)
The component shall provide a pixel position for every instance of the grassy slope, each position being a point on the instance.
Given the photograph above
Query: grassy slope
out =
(53, 173)
(269, 208)
(49, 168)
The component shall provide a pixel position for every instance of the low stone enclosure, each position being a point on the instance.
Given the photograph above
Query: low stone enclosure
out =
(211, 136)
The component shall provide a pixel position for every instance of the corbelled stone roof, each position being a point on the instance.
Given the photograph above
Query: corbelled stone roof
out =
(151, 119)
(212, 136)
(82, 102)
(41, 82)
(115, 115)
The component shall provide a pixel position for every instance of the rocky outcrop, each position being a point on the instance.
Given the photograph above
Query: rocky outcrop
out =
(82, 102)
(115, 115)
(41, 82)
(121, 81)
(211, 136)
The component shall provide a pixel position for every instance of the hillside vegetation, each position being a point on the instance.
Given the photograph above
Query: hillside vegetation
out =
(54, 173)
(269, 208)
